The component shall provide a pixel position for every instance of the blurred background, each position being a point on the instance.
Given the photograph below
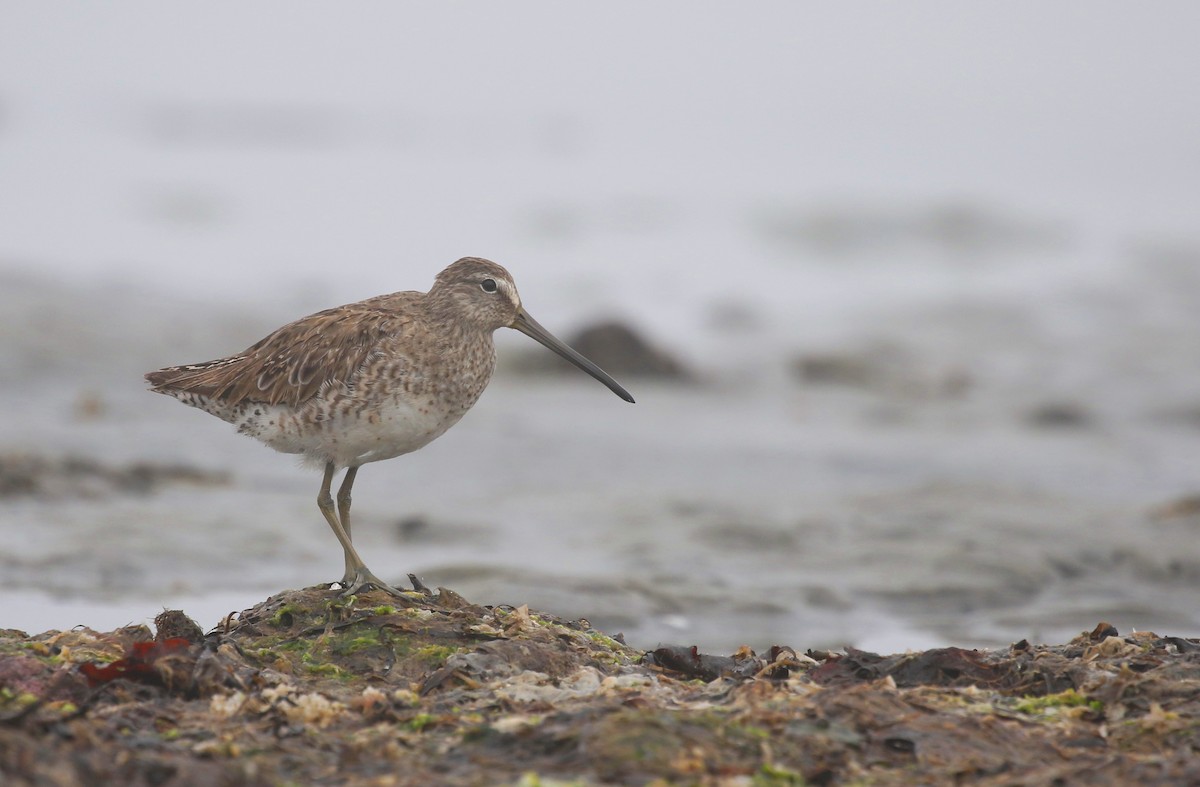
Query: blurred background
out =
(919, 285)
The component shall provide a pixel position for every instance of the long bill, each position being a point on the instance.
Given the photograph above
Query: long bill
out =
(533, 329)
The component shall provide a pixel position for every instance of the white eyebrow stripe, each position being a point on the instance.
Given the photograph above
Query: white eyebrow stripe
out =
(510, 290)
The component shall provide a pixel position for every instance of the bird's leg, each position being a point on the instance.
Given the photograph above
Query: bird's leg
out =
(359, 576)
(343, 503)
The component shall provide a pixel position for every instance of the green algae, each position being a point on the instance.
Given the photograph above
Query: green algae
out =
(436, 655)
(769, 775)
(1054, 703)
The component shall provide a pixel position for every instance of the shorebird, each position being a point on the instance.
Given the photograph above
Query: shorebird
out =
(368, 381)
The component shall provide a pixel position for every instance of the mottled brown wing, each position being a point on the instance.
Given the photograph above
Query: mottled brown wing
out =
(292, 364)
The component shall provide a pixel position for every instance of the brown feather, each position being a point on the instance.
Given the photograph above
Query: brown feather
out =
(294, 363)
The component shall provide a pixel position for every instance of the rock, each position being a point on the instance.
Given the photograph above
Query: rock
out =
(442, 691)
(1183, 508)
(614, 347)
(29, 475)
(1059, 415)
(882, 368)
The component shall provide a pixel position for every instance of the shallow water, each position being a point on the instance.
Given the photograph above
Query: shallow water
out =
(946, 374)
(886, 514)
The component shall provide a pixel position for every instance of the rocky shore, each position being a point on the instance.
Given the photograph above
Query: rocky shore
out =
(311, 688)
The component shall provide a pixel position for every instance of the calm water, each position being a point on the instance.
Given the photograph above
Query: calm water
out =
(942, 303)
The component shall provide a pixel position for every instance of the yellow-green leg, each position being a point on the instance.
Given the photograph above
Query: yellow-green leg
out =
(357, 577)
(343, 504)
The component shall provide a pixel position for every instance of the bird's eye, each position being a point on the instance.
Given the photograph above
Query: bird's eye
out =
(488, 285)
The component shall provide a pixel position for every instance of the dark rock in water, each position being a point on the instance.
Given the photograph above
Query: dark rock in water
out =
(619, 347)
(1186, 507)
(1059, 415)
(28, 475)
(882, 368)
(834, 369)
(614, 347)
(411, 527)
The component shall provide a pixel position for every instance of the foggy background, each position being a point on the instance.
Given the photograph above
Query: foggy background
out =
(933, 270)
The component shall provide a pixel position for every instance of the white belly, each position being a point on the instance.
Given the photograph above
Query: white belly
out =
(349, 436)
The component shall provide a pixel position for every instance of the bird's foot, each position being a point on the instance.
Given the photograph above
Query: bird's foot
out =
(362, 581)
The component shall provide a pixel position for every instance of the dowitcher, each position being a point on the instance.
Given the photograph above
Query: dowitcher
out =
(368, 381)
